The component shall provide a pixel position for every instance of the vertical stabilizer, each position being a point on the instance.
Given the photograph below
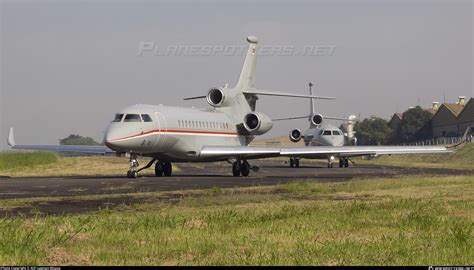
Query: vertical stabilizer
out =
(311, 102)
(311, 106)
(247, 75)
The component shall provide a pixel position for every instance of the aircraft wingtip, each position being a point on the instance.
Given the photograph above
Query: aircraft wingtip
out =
(11, 137)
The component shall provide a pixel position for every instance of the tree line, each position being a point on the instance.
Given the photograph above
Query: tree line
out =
(415, 126)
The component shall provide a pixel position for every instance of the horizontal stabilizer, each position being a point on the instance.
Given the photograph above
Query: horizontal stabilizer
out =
(281, 94)
(197, 97)
(291, 118)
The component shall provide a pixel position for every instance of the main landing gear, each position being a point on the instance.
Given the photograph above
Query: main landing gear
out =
(343, 162)
(161, 168)
(294, 162)
(241, 167)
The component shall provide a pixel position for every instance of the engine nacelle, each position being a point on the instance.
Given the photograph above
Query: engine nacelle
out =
(215, 97)
(257, 123)
(317, 119)
(295, 135)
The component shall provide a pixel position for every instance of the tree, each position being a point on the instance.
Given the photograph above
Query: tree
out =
(415, 126)
(77, 140)
(373, 131)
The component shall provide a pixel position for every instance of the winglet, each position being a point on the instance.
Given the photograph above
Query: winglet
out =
(11, 137)
(461, 142)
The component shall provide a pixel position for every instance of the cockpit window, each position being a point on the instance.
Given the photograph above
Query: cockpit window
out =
(146, 118)
(132, 118)
(327, 132)
(336, 132)
(118, 117)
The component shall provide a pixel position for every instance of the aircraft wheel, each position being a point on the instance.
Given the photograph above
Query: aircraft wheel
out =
(341, 163)
(292, 162)
(159, 169)
(131, 174)
(297, 163)
(346, 163)
(236, 168)
(245, 168)
(167, 169)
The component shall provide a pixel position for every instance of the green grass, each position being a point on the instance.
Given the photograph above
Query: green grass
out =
(461, 159)
(39, 164)
(17, 160)
(423, 220)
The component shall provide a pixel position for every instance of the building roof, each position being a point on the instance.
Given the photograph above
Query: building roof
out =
(456, 109)
(466, 108)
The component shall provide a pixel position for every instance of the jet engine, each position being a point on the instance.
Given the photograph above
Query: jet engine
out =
(215, 97)
(317, 119)
(257, 123)
(295, 135)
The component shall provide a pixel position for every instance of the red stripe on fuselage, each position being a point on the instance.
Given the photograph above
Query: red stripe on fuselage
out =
(178, 131)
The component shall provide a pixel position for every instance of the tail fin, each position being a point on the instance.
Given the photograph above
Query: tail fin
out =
(247, 75)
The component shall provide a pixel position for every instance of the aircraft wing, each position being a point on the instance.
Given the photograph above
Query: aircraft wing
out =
(254, 152)
(246, 152)
(86, 149)
(353, 151)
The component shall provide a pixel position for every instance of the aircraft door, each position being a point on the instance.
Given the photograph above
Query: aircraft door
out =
(161, 127)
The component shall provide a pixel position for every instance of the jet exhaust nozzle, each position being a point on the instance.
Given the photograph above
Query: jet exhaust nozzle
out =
(317, 119)
(295, 135)
(257, 123)
(215, 97)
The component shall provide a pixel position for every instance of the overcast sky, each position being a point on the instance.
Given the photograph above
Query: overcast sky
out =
(67, 67)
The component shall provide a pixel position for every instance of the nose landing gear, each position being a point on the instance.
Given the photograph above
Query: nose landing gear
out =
(133, 172)
(161, 168)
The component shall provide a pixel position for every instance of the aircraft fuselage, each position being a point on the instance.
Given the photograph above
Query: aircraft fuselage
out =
(171, 133)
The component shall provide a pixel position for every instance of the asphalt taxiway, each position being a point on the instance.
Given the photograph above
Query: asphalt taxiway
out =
(199, 176)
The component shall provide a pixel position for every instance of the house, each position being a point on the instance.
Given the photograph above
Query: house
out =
(466, 117)
(445, 120)
(395, 120)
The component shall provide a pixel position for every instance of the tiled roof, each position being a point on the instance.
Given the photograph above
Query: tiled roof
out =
(456, 109)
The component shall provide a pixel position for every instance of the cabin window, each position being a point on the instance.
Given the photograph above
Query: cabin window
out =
(327, 132)
(335, 132)
(118, 117)
(146, 118)
(132, 118)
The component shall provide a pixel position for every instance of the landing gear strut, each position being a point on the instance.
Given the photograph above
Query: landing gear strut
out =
(330, 159)
(294, 162)
(241, 167)
(133, 173)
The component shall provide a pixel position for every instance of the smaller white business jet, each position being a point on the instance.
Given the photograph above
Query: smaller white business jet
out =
(321, 133)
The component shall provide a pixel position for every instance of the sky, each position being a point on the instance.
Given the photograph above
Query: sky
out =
(68, 66)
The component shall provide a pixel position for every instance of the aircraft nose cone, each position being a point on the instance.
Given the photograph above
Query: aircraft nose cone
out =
(112, 139)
